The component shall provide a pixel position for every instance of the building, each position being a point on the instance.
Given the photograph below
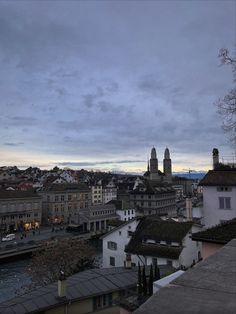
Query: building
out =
(153, 173)
(153, 198)
(114, 242)
(109, 191)
(219, 196)
(62, 203)
(164, 242)
(124, 210)
(151, 240)
(209, 287)
(95, 218)
(19, 210)
(214, 238)
(90, 291)
(96, 191)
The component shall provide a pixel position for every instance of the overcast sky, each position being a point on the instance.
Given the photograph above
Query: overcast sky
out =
(95, 84)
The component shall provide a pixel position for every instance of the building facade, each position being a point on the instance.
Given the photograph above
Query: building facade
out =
(95, 218)
(62, 203)
(151, 197)
(219, 196)
(114, 243)
(20, 210)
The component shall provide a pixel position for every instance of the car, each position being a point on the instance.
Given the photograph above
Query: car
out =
(9, 237)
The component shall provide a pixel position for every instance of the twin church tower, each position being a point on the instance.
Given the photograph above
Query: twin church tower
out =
(152, 168)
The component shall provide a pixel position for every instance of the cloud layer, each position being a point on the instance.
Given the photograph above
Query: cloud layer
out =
(83, 82)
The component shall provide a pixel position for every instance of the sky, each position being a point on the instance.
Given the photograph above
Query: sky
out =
(97, 84)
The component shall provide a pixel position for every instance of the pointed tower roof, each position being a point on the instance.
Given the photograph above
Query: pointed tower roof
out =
(167, 153)
(153, 153)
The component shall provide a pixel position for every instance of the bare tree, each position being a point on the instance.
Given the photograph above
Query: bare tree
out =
(227, 105)
(69, 256)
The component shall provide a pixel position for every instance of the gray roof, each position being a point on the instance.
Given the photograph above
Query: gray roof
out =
(8, 194)
(219, 178)
(210, 287)
(79, 286)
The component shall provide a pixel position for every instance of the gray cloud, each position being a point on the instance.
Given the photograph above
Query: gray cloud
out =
(91, 164)
(150, 78)
(13, 144)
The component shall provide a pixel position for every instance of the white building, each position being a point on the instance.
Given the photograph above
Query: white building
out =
(109, 192)
(114, 243)
(96, 191)
(219, 196)
(154, 241)
(126, 214)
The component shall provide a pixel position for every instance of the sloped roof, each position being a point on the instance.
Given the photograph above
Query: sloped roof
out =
(153, 187)
(79, 286)
(219, 178)
(222, 233)
(209, 287)
(66, 187)
(147, 249)
(153, 228)
(15, 194)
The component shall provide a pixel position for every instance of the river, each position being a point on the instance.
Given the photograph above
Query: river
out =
(14, 276)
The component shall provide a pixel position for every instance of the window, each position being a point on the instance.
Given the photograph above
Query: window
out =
(119, 232)
(129, 233)
(112, 245)
(102, 301)
(224, 203)
(224, 189)
(56, 198)
(69, 197)
(62, 197)
(112, 261)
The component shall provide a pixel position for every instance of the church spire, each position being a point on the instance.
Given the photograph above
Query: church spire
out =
(148, 168)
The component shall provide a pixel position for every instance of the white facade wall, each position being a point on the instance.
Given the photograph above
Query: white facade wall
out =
(192, 249)
(96, 194)
(126, 214)
(109, 194)
(121, 238)
(212, 214)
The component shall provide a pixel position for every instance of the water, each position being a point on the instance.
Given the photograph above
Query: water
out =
(13, 276)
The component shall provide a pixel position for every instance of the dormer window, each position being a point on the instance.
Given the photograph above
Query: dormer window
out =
(224, 189)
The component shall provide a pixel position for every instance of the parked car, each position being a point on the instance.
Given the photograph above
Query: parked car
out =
(9, 237)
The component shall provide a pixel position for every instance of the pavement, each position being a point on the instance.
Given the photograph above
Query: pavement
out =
(44, 233)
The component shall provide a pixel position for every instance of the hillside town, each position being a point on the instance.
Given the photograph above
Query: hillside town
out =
(154, 220)
(117, 157)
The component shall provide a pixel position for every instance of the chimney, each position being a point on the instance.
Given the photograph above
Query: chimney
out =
(128, 261)
(189, 211)
(62, 285)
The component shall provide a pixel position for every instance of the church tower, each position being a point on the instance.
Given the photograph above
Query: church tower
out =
(153, 161)
(215, 156)
(167, 165)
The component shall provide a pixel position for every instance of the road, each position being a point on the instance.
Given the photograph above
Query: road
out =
(45, 233)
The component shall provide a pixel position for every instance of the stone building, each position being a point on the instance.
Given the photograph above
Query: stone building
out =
(19, 210)
(62, 203)
(153, 172)
(152, 197)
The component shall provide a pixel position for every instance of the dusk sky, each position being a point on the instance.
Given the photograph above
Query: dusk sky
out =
(95, 84)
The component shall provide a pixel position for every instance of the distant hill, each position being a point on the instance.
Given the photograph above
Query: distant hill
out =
(192, 175)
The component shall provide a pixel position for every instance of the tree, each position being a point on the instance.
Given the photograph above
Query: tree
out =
(144, 281)
(157, 275)
(67, 255)
(227, 105)
(150, 282)
(140, 290)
